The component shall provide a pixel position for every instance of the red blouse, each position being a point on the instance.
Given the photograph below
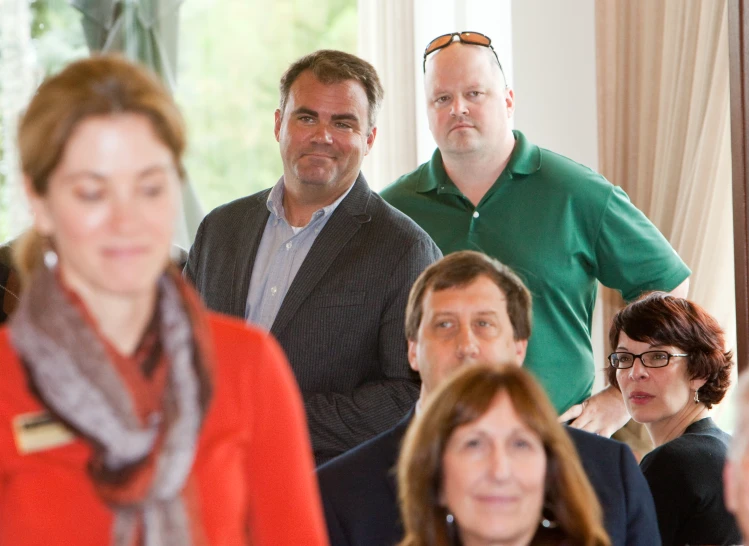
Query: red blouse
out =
(254, 468)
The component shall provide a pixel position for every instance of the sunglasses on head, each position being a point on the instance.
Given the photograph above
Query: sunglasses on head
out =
(467, 37)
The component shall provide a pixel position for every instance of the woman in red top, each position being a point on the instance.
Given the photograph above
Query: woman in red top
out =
(128, 413)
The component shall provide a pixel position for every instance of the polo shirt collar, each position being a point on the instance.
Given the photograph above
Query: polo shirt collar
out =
(525, 159)
(526, 156)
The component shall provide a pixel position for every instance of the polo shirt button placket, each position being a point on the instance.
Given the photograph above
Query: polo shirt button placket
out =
(474, 216)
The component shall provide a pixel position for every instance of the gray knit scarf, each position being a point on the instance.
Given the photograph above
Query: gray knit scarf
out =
(68, 366)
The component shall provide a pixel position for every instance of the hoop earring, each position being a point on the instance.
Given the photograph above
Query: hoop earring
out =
(696, 396)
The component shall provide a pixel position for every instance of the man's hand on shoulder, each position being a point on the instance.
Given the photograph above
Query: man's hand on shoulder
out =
(603, 413)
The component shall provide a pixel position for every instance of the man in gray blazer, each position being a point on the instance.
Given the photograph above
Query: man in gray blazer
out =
(322, 261)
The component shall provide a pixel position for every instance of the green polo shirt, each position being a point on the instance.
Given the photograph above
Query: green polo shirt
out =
(561, 227)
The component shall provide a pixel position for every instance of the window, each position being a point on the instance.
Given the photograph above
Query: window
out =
(232, 56)
(52, 37)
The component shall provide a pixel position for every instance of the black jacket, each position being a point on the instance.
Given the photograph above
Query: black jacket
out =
(359, 491)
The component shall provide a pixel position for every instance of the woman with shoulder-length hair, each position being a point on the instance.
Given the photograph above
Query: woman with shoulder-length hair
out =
(128, 413)
(671, 365)
(487, 463)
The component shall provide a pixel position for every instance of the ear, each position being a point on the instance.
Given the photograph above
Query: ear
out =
(371, 139)
(510, 102)
(412, 361)
(696, 384)
(730, 490)
(277, 125)
(43, 223)
(441, 499)
(521, 347)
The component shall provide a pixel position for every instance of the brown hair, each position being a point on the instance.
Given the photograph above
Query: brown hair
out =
(460, 269)
(661, 319)
(464, 398)
(96, 86)
(332, 66)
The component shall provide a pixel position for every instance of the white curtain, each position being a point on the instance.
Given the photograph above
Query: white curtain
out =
(664, 129)
(386, 39)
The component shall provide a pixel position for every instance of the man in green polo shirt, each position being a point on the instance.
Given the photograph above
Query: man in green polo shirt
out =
(561, 226)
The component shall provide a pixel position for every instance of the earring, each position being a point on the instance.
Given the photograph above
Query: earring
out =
(49, 254)
(452, 534)
(696, 396)
(548, 522)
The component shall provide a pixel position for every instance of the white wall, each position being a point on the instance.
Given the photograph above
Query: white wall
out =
(554, 69)
(553, 44)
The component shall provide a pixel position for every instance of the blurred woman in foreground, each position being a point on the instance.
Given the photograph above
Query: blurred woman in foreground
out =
(671, 365)
(128, 413)
(486, 463)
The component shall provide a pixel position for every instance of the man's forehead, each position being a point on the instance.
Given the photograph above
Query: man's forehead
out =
(340, 98)
(486, 296)
(308, 81)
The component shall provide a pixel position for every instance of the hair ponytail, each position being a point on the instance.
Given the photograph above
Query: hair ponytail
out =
(28, 254)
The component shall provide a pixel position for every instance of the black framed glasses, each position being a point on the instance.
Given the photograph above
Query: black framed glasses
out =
(465, 37)
(650, 359)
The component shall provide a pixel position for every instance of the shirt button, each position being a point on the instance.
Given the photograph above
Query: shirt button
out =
(475, 214)
(273, 291)
(288, 246)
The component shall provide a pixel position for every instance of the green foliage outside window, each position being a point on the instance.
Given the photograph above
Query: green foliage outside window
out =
(231, 56)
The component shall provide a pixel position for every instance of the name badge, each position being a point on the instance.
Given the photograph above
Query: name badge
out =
(39, 431)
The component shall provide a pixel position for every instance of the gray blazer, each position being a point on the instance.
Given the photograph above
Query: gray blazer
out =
(342, 320)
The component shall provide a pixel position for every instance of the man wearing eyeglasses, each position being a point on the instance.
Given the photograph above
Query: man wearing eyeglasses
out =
(559, 225)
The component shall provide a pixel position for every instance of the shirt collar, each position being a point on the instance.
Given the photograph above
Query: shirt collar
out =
(525, 159)
(275, 203)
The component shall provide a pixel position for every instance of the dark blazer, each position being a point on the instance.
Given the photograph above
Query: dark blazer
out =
(341, 322)
(359, 491)
(10, 284)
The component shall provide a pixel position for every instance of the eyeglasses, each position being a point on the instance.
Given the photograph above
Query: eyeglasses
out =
(467, 37)
(649, 359)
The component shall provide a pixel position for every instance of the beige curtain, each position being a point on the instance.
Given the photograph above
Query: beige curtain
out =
(664, 136)
(386, 39)
(664, 131)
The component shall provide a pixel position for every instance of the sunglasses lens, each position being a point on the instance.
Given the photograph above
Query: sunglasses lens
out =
(438, 43)
(475, 38)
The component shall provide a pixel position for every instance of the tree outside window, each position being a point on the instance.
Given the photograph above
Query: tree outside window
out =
(231, 56)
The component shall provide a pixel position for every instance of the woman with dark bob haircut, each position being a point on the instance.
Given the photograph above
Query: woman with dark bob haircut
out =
(671, 365)
(487, 463)
(129, 414)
